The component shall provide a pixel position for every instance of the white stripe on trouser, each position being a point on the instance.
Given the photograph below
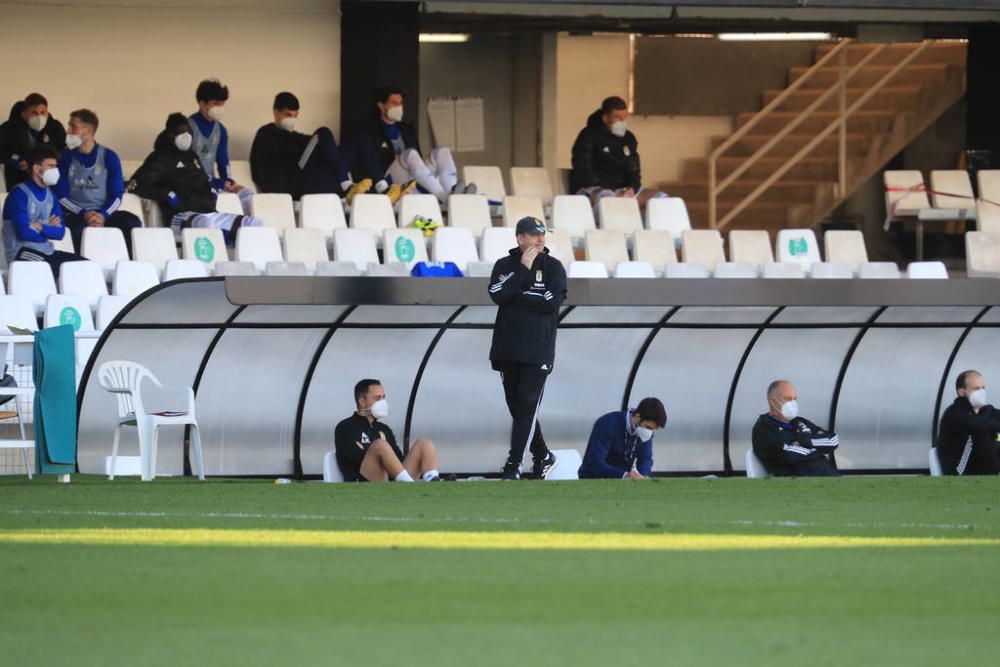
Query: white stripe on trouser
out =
(534, 422)
(964, 461)
(307, 153)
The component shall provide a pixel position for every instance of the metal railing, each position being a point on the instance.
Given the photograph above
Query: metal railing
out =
(844, 112)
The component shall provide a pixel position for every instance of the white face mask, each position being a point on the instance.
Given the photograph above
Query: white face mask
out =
(790, 410)
(978, 398)
(36, 123)
(643, 433)
(380, 409)
(618, 128)
(73, 141)
(216, 113)
(395, 114)
(50, 176)
(183, 141)
(287, 123)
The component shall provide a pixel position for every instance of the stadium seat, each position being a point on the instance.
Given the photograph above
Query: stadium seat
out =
(982, 255)
(106, 246)
(337, 269)
(560, 246)
(515, 208)
(69, 309)
(331, 470)
(235, 269)
(702, 246)
(750, 246)
(927, 270)
(572, 214)
(684, 270)
(934, 463)
(987, 216)
(741, 270)
(404, 245)
(134, 278)
(239, 171)
(33, 281)
(108, 308)
(306, 246)
(797, 245)
(878, 270)
(846, 247)
(65, 243)
(17, 311)
(471, 212)
(373, 213)
(228, 202)
(780, 270)
(606, 246)
(275, 209)
(568, 462)
(905, 193)
(634, 270)
(668, 214)
(488, 180)
(259, 245)
(286, 269)
(391, 270)
(587, 269)
(155, 245)
(562, 184)
(419, 205)
(479, 270)
(621, 213)
(133, 205)
(153, 214)
(830, 270)
(355, 245)
(84, 279)
(454, 244)
(952, 182)
(324, 212)
(755, 469)
(178, 269)
(208, 246)
(531, 182)
(989, 184)
(655, 246)
(495, 243)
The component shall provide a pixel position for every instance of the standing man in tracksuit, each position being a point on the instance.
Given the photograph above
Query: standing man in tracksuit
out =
(529, 286)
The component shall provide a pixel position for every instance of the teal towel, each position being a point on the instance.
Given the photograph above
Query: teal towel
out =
(55, 400)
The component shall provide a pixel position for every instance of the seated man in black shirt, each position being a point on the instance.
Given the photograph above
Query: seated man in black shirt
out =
(787, 444)
(967, 438)
(366, 447)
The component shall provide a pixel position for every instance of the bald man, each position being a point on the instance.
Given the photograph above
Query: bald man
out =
(967, 438)
(789, 445)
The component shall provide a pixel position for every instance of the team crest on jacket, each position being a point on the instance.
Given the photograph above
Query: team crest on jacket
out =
(626, 150)
(538, 276)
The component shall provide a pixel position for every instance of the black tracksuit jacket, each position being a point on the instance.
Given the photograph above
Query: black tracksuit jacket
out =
(601, 158)
(967, 441)
(168, 169)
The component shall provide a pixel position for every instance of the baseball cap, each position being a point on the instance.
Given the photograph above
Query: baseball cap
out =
(530, 225)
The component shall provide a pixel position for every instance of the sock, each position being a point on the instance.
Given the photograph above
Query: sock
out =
(403, 477)
(430, 474)
(381, 186)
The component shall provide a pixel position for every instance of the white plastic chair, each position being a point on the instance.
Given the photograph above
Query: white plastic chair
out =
(124, 379)
(668, 214)
(106, 246)
(133, 204)
(32, 280)
(235, 269)
(830, 270)
(531, 182)
(306, 246)
(845, 246)
(479, 270)
(207, 246)
(655, 246)
(515, 208)
(743, 270)
(685, 270)
(391, 270)
(286, 269)
(954, 182)
(454, 244)
(324, 212)
(927, 271)
(84, 279)
(134, 278)
(621, 213)
(606, 246)
(783, 271)
(331, 470)
(355, 245)
(228, 202)
(573, 214)
(337, 269)
(495, 243)
(702, 246)
(108, 308)
(259, 245)
(560, 246)
(882, 270)
(469, 211)
(372, 212)
(275, 209)
(65, 309)
(934, 463)
(155, 245)
(905, 192)
(585, 269)
(404, 245)
(982, 255)
(797, 245)
(185, 268)
(64, 244)
(568, 462)
(755, 468)
(419, 205)
(634, 270)
(752, 246)
(488, 180)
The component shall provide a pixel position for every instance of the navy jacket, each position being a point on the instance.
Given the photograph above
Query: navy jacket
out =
(611, 450)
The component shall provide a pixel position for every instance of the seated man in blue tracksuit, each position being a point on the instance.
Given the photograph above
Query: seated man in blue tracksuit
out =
(210, 139)
(621, 443)
(91, 185)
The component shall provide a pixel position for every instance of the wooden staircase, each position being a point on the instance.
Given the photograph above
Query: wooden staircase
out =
(914, 85)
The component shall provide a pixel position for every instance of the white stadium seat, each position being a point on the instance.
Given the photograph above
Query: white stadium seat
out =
(155, 245)
(987, 216)
(750, 246)
(953, 182)
(132, 204)
(515, 208)
(587, 269)
(69, 309)
(934, 463)
(108, 308)
(337, 269)
(668, 214)
(259, 245)
(488, 180)
(404, 245)
(702, 246)
(104, 245)
(64, 244)
(684, 270)
(469, 211)
(286, 269)
(355, 245)
(84, 279)
(134, 278)
(305, 245)
(324, 212)
(17, 311)
(391, 270)
(372, 212)
(735, 270)
(634, 270)
(755, 468)
(479, 270)
(879, 270)
(560, 246)
(531, 182)
(228, 202)
(927, 270)
(454, 244)
(982, 255)
(655, 246)
(782, 270)
(274, 209)
(797, 245)
(207, 246)
(905, 193)
(178, 269)
(621, 213)
(33, 281)
(235, 269)
(573, 214)
(495, 243)
(846, 247)
(830, 270)
(606, 246)
(419, 205)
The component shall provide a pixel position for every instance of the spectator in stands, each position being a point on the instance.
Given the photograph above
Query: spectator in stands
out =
(173, 176)
(387, 152)
(366, 447)
(29, 125)
(529, 286)
(789, 445)
(967, 438)
(606, 157)
(32, 218)
(210, 140)
(283, 160)
(621, 443)
(90, 184)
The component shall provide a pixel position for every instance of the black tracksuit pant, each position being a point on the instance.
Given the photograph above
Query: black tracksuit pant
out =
(523, 386)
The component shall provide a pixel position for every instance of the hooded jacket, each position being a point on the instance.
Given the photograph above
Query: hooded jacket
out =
(373, 138)
(17, 139)
(174, 178)
(602, 159)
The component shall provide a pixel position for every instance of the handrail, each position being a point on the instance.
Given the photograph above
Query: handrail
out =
(827, 131)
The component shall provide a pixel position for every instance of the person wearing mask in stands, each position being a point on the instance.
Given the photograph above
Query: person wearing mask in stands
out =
(283, 160)
(621, 442)
(210, 139)
(789, 445)
(967, 438)
(366, 446)
(173, 176)
(606, 157)
(29, 125)
(387, 152)
(90, 184)
(32, 219)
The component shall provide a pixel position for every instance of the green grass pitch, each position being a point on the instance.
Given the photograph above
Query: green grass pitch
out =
(854, 571)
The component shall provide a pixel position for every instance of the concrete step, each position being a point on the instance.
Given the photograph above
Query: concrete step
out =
(810, 168)
(951, 53)
(857, 144)
(899, 98)
(782, 192)
(915, 75)
(863, 122)
(769, 216)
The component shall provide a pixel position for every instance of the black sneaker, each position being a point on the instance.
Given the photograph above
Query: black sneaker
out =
(511, 471)
(543, 467)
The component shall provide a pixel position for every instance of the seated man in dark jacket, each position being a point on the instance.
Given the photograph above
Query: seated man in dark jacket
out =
(283, 160)
(173, 176)
(621, 443)
(967, 438)
(606, 157)
(789, 445)
(29, 125)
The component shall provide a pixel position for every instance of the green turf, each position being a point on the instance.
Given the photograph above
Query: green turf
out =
(893, 604)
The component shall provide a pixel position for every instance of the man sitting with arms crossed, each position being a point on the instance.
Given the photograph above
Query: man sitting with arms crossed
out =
(789, 445)
(366, 447)
(621, 443)
(967, 438)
